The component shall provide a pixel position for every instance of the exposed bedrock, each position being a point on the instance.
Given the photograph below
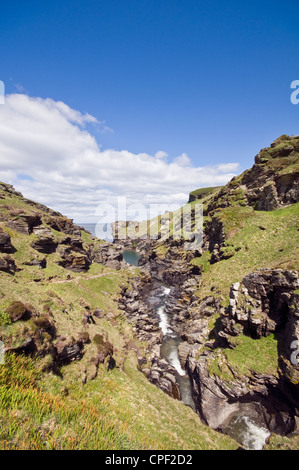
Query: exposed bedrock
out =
(263, 303)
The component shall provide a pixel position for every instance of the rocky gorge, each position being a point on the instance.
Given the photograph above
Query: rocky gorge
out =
(215, 328)
(262, 304)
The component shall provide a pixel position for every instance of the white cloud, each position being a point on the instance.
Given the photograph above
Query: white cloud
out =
(183, 160)
(161, 154)
(48, 154)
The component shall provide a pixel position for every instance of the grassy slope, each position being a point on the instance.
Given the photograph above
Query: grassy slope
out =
(256, 240)
(119, 409)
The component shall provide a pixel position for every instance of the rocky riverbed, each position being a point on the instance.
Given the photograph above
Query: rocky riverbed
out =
(175, 326)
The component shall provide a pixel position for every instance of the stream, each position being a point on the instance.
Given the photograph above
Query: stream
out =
(169, 348)
(240, 426)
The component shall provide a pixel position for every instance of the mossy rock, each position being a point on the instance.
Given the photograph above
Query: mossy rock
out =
(18, 311)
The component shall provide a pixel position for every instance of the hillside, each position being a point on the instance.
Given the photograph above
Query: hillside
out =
(82, 335)
(237, 297)
(70, 378)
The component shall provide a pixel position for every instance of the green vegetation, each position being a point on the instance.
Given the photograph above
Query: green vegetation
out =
(202, 192)
(84, 404)
(76, 406)
(120, 409)
(259, 239)
(249, 355)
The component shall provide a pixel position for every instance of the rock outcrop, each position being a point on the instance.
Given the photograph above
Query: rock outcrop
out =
(5, 242)
(269, 184)
(44, 242)
(7, 264)
(264, 303)
(25, 223)
(108, 254)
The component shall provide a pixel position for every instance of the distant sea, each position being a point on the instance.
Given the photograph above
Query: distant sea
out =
(102, 231)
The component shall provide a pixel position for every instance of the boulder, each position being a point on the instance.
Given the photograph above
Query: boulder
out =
(18, 311)
(25, 223)
(44, 242)
(5, 243)
(68, 351)
(7, 264)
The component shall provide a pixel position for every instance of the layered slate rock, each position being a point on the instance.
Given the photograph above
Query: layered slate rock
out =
(63, 224)
(269, 184)
(264, 303)
(109, 254)
(7, 264)
(5, 242)
(73, 255)
(44, 242)
(68, 350)
(25, 223)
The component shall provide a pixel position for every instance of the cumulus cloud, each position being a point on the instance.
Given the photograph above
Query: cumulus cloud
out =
(49, 155)
(183, 160)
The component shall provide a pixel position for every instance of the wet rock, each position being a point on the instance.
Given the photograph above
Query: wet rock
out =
(162, 374)
(263, 303)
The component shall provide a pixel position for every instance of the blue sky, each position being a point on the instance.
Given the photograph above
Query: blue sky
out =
(207, 79)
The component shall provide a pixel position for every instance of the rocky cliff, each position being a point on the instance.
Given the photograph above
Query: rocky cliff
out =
(235, 301)
(72, 303)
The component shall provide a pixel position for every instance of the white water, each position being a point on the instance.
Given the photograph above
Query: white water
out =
(164, 324)
(256, 436)
(251, 435)
(241, 427)
(175, 362)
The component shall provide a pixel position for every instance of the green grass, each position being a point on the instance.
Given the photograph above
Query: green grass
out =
(118, 410)
(260, 356)
(275, 245)
(204, 191)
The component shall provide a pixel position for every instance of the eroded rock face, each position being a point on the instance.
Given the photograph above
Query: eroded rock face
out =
(110, 255)
(63, 224)
(25, 223)
(7, 264)
(5, 242)
(162, 374)
(265, 186)
(146, 327)
(264, 302)
(68, 350)
(44, 242)
(73, 260)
